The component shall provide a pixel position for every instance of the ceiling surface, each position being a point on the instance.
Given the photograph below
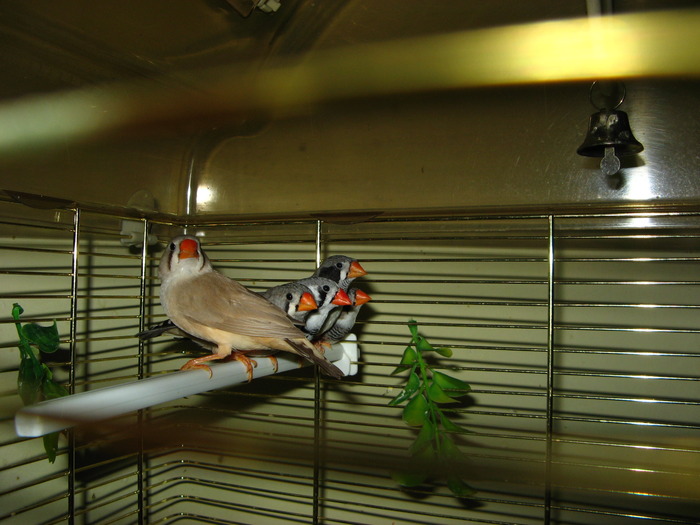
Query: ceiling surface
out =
(243, 148)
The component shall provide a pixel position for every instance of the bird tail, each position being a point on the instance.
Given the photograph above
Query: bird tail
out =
(156, 330)
(306, 352)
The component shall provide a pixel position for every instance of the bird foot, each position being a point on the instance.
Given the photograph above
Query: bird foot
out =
(322, 346)
(247, 362)
(193, 364)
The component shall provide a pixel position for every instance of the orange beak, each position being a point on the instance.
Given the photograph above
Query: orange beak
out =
(361, 297)
(188, 249)
(356, 270)
(307, 303)
(341, 299)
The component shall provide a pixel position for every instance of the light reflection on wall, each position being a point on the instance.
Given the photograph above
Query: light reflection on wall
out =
(639, 222)
(204, 196)
(639, 184)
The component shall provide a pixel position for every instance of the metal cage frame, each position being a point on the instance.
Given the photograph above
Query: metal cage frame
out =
(571, 489)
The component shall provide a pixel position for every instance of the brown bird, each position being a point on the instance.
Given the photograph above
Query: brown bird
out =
(209, 306)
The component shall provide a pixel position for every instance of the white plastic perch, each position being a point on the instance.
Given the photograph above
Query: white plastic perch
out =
(94, 405)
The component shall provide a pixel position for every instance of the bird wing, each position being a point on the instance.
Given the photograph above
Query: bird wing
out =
(216, 301)
(313, 355)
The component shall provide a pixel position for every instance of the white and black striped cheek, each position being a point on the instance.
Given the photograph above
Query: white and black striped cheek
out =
(291, 304)
(337, 272)
(324, 295)
(172, 254)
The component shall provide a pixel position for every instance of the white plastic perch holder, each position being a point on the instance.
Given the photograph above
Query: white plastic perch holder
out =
(94, 405)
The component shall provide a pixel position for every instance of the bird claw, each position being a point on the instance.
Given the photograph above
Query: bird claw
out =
(322, 346)
(237, 356)
(193, 364)
(249, 365)
(247, 362)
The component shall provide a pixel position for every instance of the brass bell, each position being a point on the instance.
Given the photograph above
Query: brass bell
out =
(609, 132)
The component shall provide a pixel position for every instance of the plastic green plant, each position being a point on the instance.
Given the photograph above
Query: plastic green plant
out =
(434, 452)
(35, 379)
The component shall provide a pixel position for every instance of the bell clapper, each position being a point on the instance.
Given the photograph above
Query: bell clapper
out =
(610, 164)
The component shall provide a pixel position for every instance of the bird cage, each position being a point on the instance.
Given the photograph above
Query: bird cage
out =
(567, 296)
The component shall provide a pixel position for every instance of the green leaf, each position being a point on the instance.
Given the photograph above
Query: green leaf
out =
(52, 390)
(421, 466)
(423, 345)
(25, 349)
(17, 310)
(433, 453)
(425, 437)
(29, 381)
(411, 387)
(413, 327)
(449, 450)
(414, 413)
(446, 352)
(45, 337)
(409, 479)
(437, 394)
(459, 488)
(409, 358)
(51, 446)
(450, 383)
(450, 426)
(425, 458)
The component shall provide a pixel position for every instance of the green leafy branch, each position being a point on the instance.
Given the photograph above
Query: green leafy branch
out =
(35, 379)
(434, 451)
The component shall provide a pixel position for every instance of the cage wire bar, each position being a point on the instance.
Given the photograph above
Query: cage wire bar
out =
(73, 353)
(550, 371)
(318, 414)
(576, 364)
(142, 414)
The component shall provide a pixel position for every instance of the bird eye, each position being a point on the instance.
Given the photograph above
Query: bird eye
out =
(338, 265)
(326, 288)
(289, 297)
(172, 246)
